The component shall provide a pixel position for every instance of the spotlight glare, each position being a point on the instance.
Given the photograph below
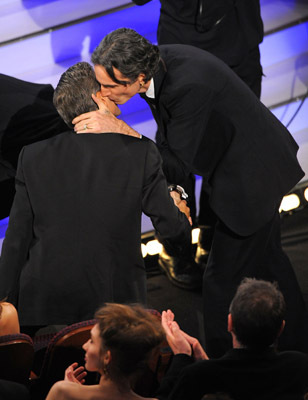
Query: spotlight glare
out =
(153, 247)
(144, 250)
(195, 235)
(289, 203)
(306, 193)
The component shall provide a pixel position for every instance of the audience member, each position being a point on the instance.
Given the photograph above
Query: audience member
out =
(212, 125)
(74, 236)
(253, 369)
(9, 322)
(121, 344)
(27, 116)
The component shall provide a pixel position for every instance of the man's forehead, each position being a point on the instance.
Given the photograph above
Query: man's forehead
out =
(105, 79)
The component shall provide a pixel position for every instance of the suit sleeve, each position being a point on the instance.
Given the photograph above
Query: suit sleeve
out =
(18, 237)
(171, 224)
(189, 108)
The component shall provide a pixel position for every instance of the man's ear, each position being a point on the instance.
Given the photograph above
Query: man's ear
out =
(141, 80)
(230, 323)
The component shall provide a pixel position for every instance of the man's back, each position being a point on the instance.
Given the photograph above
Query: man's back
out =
(245, 374)
(77, 218)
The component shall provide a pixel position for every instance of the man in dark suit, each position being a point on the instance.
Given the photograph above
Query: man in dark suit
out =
(74, 235)
(213, 125)
(27, 115)
(232, 31)
(252, 369)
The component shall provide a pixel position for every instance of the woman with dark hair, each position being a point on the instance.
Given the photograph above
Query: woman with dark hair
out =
(120, 346)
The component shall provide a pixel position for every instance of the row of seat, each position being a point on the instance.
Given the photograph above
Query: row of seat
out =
(61, 350)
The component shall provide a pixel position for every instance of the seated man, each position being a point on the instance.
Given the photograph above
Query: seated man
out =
(253, 369)
(74, 235)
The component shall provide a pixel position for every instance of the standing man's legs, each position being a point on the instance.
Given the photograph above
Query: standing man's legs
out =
(260, 255)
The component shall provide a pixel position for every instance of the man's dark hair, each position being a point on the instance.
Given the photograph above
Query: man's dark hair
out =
(257, 311)
(72, 95)
(129, 52)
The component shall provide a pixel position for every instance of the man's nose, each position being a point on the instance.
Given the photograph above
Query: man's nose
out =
(105, 92)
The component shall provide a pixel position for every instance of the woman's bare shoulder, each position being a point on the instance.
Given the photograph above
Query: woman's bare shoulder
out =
(9, 322)
(65, 390)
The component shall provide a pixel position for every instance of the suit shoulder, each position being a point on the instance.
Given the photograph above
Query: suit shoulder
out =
(143, 143)
(41, 144)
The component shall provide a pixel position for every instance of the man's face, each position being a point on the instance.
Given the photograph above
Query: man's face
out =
(117, 93)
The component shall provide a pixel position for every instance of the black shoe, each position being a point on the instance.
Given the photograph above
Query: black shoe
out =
(182, 273)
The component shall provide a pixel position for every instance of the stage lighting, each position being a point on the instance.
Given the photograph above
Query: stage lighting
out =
(144, 250)
(153, 247)
(195, 235)
(289, 202)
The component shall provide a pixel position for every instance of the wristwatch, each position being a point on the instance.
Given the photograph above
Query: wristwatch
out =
(178, 189)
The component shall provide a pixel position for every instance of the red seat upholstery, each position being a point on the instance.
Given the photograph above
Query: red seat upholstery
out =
(64, 349)
(16, 355)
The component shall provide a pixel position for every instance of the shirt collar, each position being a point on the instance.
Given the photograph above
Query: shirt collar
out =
(151, 92)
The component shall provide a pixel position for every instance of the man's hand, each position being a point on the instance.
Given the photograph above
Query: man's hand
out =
(178, 343)
(197, 349)
(102, 121)
(99, 121)
(181, 204)
(75, 374)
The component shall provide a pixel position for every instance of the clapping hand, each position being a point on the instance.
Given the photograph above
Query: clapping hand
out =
(179, 341)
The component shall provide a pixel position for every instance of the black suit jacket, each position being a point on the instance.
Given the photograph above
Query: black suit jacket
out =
(229, 29)
(243, 374)
(27, 115)
(74, 235)
(210, 123)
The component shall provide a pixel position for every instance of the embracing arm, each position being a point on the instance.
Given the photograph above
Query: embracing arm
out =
(102, 121)
(18, 237)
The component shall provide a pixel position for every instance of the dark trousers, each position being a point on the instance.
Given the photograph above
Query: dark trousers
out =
(260, 255)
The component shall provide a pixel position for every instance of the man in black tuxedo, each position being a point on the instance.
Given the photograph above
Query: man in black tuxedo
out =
(232, 31)
(213, 125)
(252, 369)
(74, 236)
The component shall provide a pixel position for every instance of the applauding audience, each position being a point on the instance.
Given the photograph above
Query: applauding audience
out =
(121, 343)
(253, 369)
